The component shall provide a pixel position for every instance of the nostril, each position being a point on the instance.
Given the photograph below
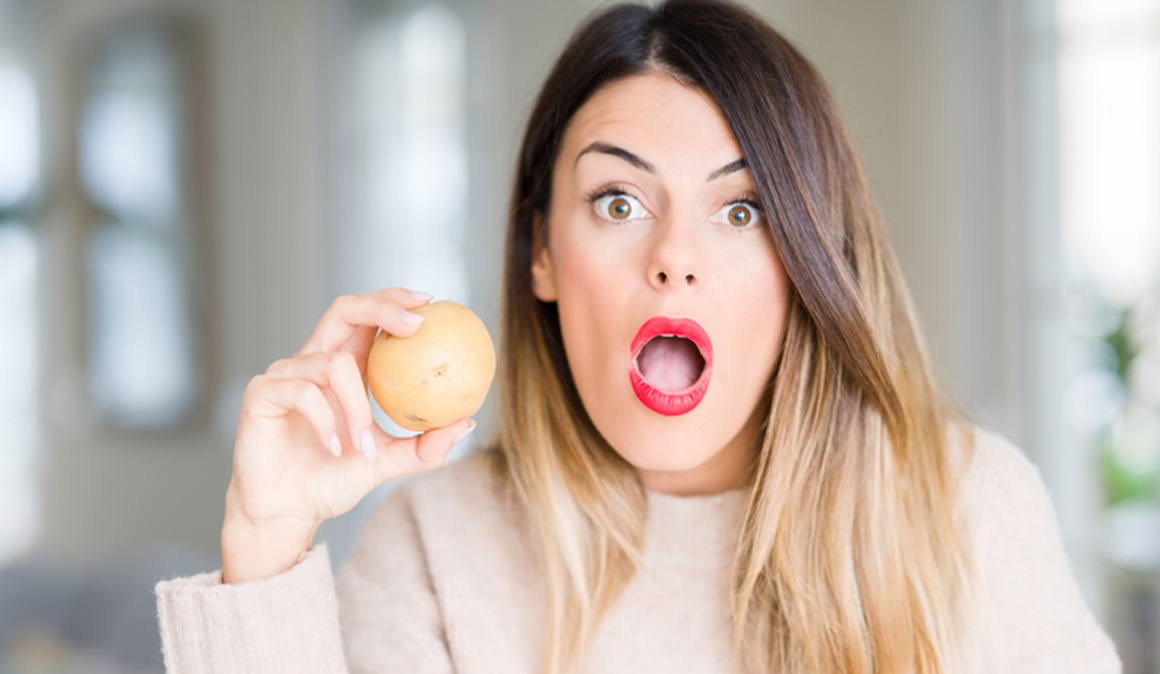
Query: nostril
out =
(663, 277)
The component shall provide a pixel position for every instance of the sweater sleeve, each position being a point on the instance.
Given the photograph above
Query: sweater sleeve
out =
(287, 623)
(383, 613)
(1039, 622)
(390, 615)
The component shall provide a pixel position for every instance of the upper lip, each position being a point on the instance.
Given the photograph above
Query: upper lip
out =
(674, 327)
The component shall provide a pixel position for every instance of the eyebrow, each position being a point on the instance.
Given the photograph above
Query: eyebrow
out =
(605, 148)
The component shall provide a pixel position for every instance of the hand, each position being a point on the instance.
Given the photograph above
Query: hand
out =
(308, 448)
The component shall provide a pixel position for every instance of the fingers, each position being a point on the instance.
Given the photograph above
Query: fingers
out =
(340, 373)
(272, 397)
(357, 316)
(403, 456)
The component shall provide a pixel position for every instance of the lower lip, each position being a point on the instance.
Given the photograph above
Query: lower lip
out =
(663, 402)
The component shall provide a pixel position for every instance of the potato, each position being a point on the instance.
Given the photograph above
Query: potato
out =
(439, 375)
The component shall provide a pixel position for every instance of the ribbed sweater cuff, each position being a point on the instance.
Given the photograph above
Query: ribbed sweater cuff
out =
(286, 623)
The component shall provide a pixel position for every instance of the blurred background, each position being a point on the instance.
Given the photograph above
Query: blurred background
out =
(185, 185)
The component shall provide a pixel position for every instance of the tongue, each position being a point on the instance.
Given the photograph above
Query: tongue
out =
(670, 363)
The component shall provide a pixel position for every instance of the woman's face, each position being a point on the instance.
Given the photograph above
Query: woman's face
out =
(654, 230)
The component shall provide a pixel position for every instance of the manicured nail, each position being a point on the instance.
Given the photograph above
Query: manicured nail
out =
(420, 296)
(335, 445)
(463, 434)
(410, 318)
(368, 444)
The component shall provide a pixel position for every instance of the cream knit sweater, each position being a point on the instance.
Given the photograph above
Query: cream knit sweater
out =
(443, 579)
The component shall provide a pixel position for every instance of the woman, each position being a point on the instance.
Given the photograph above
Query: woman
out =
(720, 446)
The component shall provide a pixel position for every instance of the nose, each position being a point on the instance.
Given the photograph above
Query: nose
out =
(674, 262)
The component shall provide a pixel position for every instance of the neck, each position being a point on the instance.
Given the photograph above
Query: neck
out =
(729, 468)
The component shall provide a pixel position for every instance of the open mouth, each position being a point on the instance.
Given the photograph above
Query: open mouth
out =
(671, 364)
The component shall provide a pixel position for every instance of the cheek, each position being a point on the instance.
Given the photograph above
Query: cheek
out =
(776, 288)
(758, 307)
(588, 274)
(768, 285)
(591, 287)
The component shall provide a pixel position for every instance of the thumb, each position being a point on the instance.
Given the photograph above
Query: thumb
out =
(429, 450)
(435, 444)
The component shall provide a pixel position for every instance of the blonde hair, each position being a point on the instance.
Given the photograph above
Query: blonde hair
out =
(850, 556)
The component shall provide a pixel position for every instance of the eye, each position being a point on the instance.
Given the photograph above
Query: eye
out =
(739, 214)
(619, 206)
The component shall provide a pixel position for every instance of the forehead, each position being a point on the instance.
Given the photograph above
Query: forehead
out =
(656, 117)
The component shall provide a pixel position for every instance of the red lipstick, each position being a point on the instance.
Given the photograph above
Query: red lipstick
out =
(662, 400)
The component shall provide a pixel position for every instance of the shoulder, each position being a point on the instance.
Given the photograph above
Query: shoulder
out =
(462, 508)
(472, 488)
(469, 489)
(474, 476)
(999, 480)
(412, 560)
(1034, 617)
(436, 561)
(991, 457)
(433, 528)
(1005, 505)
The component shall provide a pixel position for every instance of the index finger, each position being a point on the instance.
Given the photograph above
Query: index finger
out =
(356, 318)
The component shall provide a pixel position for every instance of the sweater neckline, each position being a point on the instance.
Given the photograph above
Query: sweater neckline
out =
(693, 531)
(696, 503)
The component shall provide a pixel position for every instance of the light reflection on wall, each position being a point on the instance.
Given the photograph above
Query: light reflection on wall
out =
(410, 107)
(20, 515)
(409, 118)
(128, 161)
(139, 360)
(18, 135)
(140, 354)
(1110, 144)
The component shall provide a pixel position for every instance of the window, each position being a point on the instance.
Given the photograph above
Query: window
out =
(135, 171)
(1109, 91)
(1109, 116)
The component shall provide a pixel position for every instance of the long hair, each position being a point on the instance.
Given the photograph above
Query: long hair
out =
(850, 557)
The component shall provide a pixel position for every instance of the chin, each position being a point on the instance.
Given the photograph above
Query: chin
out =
(652, 442)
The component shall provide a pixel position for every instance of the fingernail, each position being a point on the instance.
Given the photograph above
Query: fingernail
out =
(410, 318)
(335, 445)
(463, 434)
(368, 444)
(420, 296)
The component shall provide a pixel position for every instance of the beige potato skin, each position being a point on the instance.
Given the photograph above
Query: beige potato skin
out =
(439, 375)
